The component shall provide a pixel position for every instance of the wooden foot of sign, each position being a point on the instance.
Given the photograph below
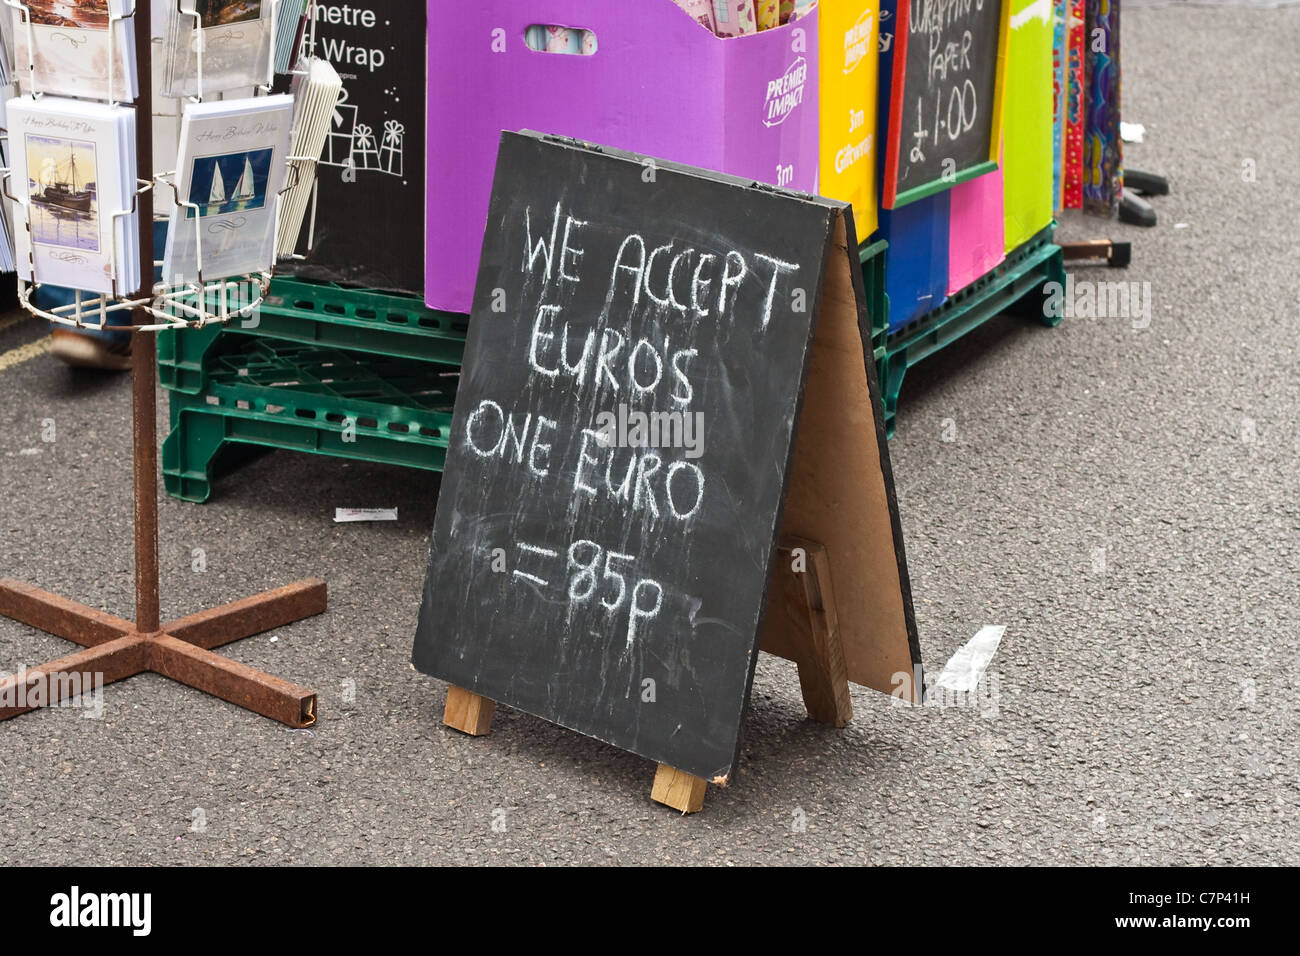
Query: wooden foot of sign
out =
(468, 712)
(667, 437)
(678, 789)
(811, 640)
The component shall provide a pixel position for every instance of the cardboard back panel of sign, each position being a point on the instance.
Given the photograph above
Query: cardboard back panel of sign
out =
(659, 84)
(850, 65)
(916, 262)
(975, 238)
(1027, 164)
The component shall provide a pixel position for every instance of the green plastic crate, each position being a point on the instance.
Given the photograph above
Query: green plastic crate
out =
(325, 356)
(872, 257)
(324, 314)
(1017, 284)
(305, 398)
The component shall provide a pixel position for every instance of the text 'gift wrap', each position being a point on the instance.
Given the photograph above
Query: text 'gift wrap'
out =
(658, 83)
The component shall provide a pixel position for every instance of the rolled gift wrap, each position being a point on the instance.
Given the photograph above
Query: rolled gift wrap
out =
(733, 18)
(700, 10)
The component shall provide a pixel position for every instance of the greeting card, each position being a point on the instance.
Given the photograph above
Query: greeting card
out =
(213, 46)
(69, 47)
(229, 174)
(73, 170)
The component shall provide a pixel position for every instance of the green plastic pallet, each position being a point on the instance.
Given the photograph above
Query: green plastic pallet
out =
(1015, 285)
(326, 360)
(324, 314)
(306, 398)
(872, 257)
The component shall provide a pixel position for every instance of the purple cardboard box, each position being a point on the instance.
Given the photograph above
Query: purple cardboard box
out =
(659, 84)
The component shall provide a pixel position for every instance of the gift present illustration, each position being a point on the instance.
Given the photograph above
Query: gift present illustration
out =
(342, 134)
(365, 149)
(390, 151)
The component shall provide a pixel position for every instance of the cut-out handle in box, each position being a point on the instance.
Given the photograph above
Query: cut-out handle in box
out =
(553, 38)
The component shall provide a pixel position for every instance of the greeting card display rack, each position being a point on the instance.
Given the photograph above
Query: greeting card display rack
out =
(182, 650)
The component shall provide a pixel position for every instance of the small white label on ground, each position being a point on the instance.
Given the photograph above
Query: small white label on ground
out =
(364, 514)
(964, 669)
(1132, 132)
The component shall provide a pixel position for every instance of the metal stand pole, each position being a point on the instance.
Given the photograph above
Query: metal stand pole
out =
(144, 351)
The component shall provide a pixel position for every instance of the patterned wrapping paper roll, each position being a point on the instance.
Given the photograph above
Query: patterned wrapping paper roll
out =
(700, 10)
(1060, 17)
(1076, 80)
(733, 18)
(567, 40)
(555, 39)
(767, 13)
(1102, 147)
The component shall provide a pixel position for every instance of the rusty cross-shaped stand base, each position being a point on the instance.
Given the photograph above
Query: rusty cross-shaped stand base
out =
(181, 650)
(807, 633)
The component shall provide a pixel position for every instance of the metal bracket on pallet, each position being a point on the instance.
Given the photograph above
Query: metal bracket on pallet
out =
(1117, 255)
(1026, 269)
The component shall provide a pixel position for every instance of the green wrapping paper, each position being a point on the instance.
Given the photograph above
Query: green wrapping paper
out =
(1027, 122)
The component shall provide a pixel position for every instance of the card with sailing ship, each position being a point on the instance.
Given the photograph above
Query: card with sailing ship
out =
(229, 41)
(65, 47)
(230, 170)
(73, 170)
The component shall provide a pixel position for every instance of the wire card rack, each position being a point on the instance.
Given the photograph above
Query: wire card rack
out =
(182, 303)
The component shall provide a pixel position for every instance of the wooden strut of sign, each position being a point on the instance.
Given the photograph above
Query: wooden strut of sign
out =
(839, 513)
(812, 641)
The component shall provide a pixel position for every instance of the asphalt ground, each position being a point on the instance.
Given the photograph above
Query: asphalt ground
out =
(1126, 501)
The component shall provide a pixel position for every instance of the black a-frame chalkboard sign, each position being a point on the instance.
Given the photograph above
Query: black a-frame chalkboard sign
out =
(667, 444)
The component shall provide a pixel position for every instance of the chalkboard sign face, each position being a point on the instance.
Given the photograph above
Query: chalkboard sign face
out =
(621, 446)
(945, 110)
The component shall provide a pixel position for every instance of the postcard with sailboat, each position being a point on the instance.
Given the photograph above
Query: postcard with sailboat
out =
(231, 169)
(73, 170)
(231, 182)
(63, 47)
(229, 41)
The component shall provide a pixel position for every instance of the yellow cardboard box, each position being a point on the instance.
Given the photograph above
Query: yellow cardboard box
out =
(849, 32)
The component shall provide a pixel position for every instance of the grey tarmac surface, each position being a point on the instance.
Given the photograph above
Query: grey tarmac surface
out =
(1126, 501)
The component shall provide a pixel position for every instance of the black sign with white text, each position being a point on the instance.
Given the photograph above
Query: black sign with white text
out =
(621, 447)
